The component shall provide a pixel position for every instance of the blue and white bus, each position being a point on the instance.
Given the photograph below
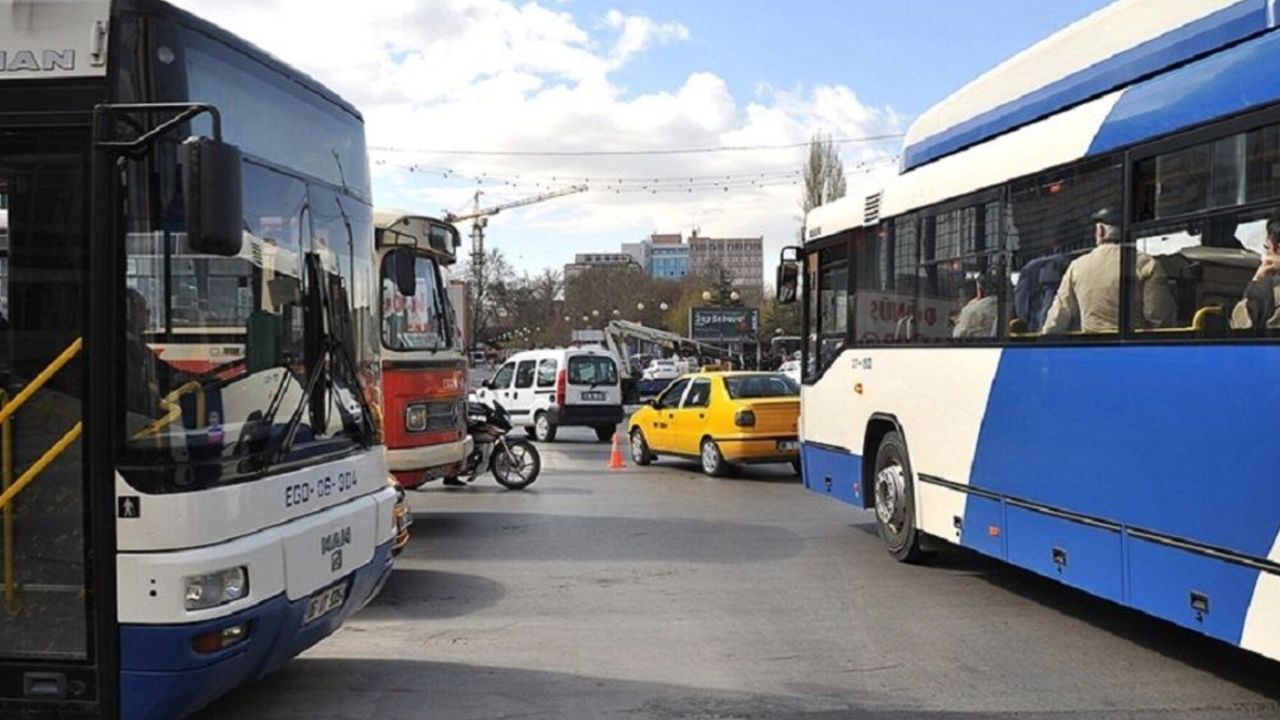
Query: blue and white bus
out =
(194, 488)
(1027, 341)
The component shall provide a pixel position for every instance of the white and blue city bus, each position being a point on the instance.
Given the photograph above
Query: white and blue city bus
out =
(1128, 456)
(193, 484)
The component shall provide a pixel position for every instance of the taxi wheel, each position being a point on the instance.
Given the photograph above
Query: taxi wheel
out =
(713, 462)
(795, 465)
(640, 454)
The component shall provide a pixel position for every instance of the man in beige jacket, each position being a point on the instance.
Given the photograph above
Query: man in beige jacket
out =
(1089, 294)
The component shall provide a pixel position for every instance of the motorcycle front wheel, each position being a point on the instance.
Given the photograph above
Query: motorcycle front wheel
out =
(515, 464)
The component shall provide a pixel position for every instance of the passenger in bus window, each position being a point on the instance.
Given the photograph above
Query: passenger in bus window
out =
(1260, 307)
(1089, 297)
(979, 315)
(1039, 279)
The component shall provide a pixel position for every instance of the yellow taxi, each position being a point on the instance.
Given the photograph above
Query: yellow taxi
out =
(720, 418)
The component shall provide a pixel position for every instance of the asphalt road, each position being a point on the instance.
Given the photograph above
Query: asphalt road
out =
(655, 593)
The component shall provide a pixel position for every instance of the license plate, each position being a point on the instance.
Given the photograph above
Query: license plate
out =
(324, 602)
(593, 395)
(788, 444)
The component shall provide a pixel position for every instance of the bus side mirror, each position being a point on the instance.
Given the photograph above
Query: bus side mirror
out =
(788, 282)
(403, 261)
(214, 198)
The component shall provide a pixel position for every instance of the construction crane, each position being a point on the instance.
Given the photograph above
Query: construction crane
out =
(480, 216)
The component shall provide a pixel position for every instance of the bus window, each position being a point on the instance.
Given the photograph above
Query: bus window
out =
(1206, 264)
(833, 304)
(1066, 282)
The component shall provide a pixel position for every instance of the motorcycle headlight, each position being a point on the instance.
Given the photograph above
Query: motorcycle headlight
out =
(217, 588)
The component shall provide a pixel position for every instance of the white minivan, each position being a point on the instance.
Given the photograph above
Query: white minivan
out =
(548, 389)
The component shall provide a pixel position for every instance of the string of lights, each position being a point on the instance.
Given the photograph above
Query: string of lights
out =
(631, 153)
(621, 184)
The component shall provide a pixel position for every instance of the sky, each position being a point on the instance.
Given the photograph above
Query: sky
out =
(438, 80)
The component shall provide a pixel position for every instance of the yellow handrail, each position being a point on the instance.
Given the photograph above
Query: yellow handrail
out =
(173, 410)
(38, 467)
(58, 363)
(11, 489)
(6, 479)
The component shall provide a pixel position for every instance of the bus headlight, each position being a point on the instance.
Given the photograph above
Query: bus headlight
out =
(218, 588)
(415, 417)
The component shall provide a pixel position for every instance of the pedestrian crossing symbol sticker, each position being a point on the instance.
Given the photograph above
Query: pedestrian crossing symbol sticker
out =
(128, 506)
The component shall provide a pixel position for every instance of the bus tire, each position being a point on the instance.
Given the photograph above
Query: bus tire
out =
(893, 499)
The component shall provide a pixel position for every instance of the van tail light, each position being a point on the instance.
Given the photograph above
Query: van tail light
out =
(562, 387)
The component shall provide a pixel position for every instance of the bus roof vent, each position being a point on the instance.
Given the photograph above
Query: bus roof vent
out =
(873, 209)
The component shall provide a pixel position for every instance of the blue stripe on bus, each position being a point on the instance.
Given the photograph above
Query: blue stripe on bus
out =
(162, 678)
(1193, 39)
(1174, 440)
(1243, 77)
(832, 471)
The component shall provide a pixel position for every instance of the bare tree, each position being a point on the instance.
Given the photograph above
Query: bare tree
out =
(823, 173)
(487, 287)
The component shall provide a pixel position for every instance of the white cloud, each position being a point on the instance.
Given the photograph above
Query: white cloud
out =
(637, 33)
(497, 75)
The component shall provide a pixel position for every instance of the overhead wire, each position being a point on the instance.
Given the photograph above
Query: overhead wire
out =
(635, 183)
(631, 153)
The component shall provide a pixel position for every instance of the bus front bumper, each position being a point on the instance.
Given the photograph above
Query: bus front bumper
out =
(162, 676)
(414, 466)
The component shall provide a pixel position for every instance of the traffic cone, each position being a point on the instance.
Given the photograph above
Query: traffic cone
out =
(615, 457)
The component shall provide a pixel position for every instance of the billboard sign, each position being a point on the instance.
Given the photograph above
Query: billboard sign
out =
(723, 324)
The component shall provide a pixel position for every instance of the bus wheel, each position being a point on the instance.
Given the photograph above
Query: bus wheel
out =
(895, 501)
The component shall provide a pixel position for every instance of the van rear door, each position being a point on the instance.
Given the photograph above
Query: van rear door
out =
(593, 380)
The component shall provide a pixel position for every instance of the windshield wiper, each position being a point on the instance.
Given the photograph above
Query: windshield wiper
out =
(331, 351)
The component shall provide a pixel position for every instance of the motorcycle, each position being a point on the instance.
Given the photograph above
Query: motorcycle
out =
(514, 461)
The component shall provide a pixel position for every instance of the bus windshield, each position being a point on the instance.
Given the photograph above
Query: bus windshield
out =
(418, 322)
(220, 349)
(266, 360)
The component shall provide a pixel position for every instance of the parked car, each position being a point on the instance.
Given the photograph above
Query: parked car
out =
(720, 418)
(662, 369)
(545, 390)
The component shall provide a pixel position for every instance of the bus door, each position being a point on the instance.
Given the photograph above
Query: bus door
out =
(49, 606)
